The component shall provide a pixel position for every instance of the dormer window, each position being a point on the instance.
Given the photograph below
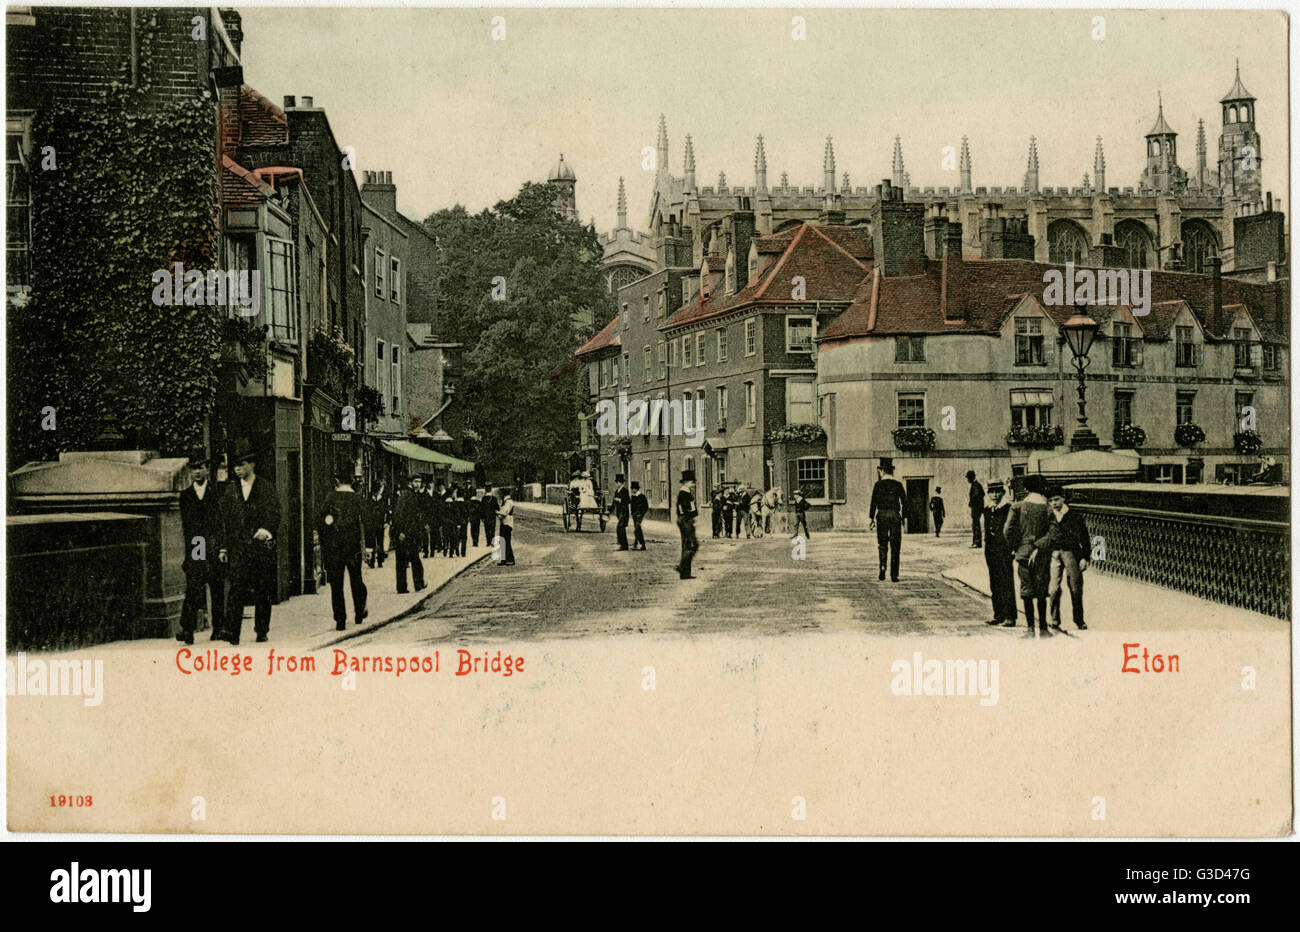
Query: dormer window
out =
(731, 272)
(1126, 350)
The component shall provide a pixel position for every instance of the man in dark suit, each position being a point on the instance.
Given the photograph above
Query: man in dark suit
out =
(408, 524)
(887, 502)
(715, 511)
(686, 512)
(342, 545)
(488, 511)
(475, 509)
(376, 516)
(640, 505)
(201, 526)
(250, 519)
(622, 508)
(460, 522)
(937, 509)
(975, 500)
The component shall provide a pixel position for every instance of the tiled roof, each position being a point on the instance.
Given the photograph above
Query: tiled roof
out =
(608, 336)
(989, 289)
(833, 261)
(240, 187)
(263, 123)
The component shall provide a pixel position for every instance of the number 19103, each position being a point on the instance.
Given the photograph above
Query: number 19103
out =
(79, 801)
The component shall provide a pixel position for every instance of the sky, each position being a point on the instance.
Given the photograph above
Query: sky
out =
(459, 117)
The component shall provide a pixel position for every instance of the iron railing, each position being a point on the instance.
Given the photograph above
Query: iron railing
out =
(1241, 562)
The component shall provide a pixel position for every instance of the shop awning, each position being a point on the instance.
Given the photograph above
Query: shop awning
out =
(413, 451)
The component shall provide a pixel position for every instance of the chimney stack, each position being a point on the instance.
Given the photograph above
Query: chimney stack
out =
(951, 276)
(936, 223)
(1215, 265)
(379, 191)
(897, 231)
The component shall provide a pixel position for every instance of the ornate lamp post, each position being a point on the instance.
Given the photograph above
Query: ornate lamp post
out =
(1080, 331)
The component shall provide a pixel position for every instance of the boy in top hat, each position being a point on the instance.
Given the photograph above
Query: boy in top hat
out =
(201, 525)
(640, 505)
(409, 516)
(686, 512)
(801, 514)
(976, 502)
(250, 516)
(887, 503)
(342, 539)
(622, 508)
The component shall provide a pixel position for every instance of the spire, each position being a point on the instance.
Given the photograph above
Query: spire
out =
(1031, 170)
(1087, 184)
(900, 176)
(1200, 152)
(622, 205)
(661, 147)
(1099, 167)
(964, 166)
(1161, 128)
(1238, 91)
(844, 183)
(785, 180)
(689, 166)
(828, 167)
(760, 167)
(722, 182)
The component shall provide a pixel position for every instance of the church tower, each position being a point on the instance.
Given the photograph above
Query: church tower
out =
(1239, 155)
(566, 203)
(1162, 173)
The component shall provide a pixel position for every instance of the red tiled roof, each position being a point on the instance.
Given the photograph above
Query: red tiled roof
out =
(833, 261)
(263, 123)
(989, 289)
(608, 336)
(240, 187)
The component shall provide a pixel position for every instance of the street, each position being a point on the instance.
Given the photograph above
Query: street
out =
(579, 584)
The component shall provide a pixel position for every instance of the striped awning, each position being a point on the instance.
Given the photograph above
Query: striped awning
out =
(414, 451)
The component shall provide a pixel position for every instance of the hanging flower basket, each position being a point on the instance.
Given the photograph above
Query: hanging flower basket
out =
(1036, 438)
(797, 433)
(914, 439)
(1130, 437)
(1247, 442)
(1187, 435)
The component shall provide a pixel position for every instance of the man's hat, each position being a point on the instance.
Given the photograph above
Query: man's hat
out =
(970, 474)
(635, 484)
(199, 457)
(1054, 490)
(886, 462)
(577, 474)
(688, 475)
(1035, 483)
(244, 451)
(619, 477)
(344, 469)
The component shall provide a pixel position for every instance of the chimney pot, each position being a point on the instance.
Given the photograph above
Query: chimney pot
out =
(307, 102)
(290, 102)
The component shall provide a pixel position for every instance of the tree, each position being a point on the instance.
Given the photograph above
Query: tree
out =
(521, 287)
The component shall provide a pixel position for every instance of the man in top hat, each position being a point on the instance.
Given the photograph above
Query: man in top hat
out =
(343, 545)
(409, 516)
(887, 502)
(375, 516)
(622, 508)
(201, 525)
(474, 508)
(250, 517)
(715, 511)
(686, 512)
(640, 505)
(488, 513)
(976, 502)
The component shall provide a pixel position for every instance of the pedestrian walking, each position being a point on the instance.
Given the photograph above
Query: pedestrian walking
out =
(430, 534)
(800, 514)
(769, 509)
(639, 506)
(686, 513)
(888, 499)
(460, 519)
(622, 508)
(715, 512)
(342, 538)
(410, 517)
(737, 511)
(1068, 542)
(1027, 522)
(376, 516)
(447, 527)
(506, 514)
(998, 556)
(728, 511)
(250, 519)
(201, 527)
(756, 511)
(976, 501)
(936, 509)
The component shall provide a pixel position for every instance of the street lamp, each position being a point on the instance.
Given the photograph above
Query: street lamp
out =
(1080, 331)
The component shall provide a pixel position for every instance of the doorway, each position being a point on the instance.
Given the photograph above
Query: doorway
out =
(918, 506)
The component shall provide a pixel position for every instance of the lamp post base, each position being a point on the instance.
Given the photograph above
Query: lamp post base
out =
(1084, 439)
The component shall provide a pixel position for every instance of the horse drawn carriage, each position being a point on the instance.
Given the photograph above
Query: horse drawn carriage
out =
(583, 498)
